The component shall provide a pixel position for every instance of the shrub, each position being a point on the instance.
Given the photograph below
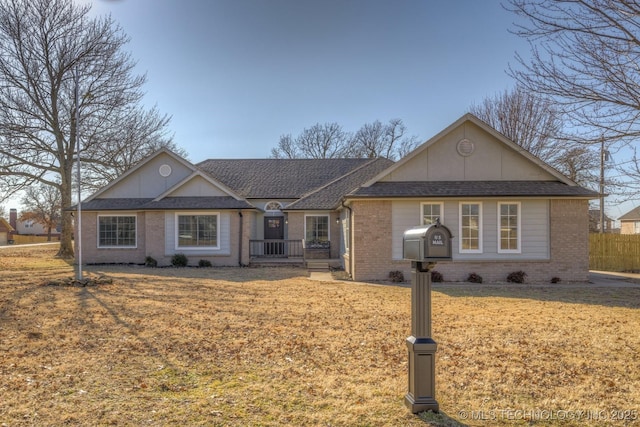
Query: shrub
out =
(516, 277)
(555, 280)
(396, 276)
(474, 278)
(204, 263)
(150, 262)
(436, 276)
(179, 260)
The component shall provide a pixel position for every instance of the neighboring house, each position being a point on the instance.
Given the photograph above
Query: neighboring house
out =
(30, 227)
(630, 222)
(594, 222)
(5, 232)
(507, 210)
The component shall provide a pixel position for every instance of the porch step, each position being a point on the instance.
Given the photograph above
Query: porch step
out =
(317, 265)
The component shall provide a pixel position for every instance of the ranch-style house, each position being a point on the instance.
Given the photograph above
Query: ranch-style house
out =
(507, 210)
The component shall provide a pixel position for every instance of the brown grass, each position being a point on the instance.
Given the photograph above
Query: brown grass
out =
(264, 346)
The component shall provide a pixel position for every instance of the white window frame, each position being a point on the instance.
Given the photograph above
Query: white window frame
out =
(135, 232)
(519, 229)
(197, 213)
(480, 233)
(319, 215)
(422, 204)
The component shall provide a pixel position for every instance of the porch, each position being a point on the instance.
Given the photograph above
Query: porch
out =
(291, 252)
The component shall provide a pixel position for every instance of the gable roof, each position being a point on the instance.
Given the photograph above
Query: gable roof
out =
(329, 196)
(490, 130)
(278, 178)
(194, 175)
(632, 215)
(138, 167)
(5, 226)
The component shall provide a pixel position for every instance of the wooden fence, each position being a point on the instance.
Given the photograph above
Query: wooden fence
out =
(614, 252)
(23, 239)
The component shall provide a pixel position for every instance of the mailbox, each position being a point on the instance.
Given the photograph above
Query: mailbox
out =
(427, 243)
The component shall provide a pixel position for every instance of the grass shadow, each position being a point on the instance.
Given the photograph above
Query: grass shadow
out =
(440, 419)
(229, 274)
(583, 293)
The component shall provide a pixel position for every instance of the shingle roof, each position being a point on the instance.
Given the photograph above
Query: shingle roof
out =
(632, 215)
(329, 196)
(168, 203)
(278, 178)
(473, 189)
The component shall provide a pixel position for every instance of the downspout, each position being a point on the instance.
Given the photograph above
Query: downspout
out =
(240, 239)
(349, 237)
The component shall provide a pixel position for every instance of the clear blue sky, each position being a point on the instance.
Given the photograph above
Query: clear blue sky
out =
(235, 75)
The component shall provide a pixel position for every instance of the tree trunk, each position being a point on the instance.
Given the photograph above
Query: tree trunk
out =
(48, 234)
(66, 245)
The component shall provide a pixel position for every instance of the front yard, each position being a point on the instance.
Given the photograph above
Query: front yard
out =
(260, 346)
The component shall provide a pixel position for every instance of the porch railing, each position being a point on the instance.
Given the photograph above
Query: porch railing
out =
(275, 249)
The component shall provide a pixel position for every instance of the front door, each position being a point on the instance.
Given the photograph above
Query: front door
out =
(274, 236)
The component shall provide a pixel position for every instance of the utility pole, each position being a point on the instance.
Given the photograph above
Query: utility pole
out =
(603, 155)
(78, 236)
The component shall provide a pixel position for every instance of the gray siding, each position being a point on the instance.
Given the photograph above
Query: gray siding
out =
(534, 228)
(147, 181)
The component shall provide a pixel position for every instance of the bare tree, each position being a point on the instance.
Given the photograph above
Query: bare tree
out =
(585, 54)
(536, 125)
(57, 64)
(42, 204)
(528, 120)
(378, 140)
(317, 142)
(330, 141)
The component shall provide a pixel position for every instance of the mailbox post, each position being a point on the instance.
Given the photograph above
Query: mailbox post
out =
(423, 246)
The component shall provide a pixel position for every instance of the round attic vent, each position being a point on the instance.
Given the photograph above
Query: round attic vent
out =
(466, 147)
(165, 170)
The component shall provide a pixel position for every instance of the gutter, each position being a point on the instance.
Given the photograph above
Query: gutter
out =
(349, 236)
(240, 239)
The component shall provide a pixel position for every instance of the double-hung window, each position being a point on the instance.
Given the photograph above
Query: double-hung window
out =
(509, 227)
(197, 230)
(117, 231)
(470, 227)
(431, 212)
(316, 228)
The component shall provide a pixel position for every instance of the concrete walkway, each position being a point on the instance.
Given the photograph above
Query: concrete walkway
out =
(322, 276)
(612, 278)
(26, 245)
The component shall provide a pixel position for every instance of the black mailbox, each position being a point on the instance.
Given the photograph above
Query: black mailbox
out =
(427, 243)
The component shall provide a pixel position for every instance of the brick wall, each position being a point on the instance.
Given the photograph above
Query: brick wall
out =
(569, 221)
(371, 240)
(151, 242)
(92, 255)
(569, 248)
(627, 227)
(154, 231)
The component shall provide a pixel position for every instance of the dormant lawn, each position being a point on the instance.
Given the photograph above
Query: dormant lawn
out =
(260, 346)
